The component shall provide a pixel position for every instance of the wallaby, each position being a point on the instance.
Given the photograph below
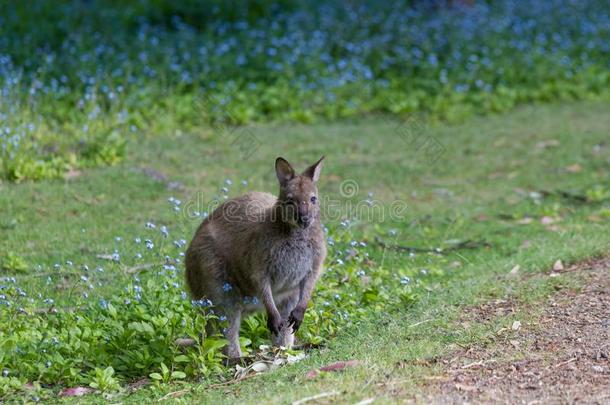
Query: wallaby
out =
(261, 252)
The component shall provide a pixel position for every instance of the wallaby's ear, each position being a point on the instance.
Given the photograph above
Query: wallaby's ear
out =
(284, 171)
(313, 171)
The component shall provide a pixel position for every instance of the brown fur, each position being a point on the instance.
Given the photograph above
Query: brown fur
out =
(258, 247)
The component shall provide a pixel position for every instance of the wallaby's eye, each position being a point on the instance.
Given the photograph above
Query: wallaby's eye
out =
(313, 199)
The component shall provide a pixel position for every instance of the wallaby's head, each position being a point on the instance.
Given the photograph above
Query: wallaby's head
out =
(298, 198)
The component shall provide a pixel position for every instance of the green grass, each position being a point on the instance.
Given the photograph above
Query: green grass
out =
(491, 174)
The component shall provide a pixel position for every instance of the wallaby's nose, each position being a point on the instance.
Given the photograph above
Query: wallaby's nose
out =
(305, 220)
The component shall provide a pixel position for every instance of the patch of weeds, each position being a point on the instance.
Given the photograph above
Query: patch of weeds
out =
(103, 380)
(12, 262)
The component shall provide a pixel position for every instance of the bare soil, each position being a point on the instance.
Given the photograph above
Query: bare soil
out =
(562, 356)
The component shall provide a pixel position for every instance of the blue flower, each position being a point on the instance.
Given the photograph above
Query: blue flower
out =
(204, 302)
(164, 231)
(226, 287)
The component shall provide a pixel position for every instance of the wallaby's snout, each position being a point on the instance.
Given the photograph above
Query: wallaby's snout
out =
(304, 220)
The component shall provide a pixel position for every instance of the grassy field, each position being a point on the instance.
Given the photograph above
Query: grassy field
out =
(526, 188)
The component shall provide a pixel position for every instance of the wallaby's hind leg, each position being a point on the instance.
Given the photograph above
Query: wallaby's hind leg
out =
(286, 336)
(231, 333)
(206, 279)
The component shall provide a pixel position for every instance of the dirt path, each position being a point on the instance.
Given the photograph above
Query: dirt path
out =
(561, 358)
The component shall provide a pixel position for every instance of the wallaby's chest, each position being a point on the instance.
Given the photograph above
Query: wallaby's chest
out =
(289, 262)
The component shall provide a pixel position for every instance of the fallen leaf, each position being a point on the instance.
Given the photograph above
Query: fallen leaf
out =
(71, 174)
(75, 392)
(174, 394)
(338, 366)
(516, 325)
(553, 228)
(259, 366)
(294, 359)
(558, 266)
(547, 144)
(575, 168)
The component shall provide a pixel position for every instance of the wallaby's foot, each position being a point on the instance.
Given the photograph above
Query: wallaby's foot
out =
(284, 338)
(296, 318)
(275, 324)
(230, 362)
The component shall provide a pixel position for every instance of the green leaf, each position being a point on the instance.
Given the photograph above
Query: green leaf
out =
(178, 375)
(181, 359)
(155, 376)
(112, 310)
(108, 372)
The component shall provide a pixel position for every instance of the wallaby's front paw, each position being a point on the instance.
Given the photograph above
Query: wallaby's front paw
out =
(275, 324)
(296, 318)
